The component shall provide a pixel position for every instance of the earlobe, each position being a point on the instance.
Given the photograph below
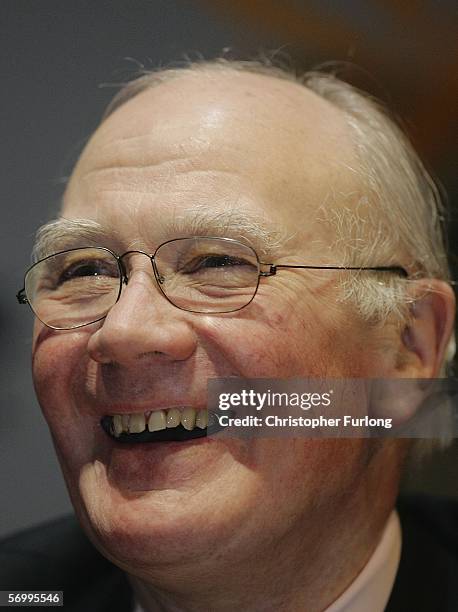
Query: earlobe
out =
(426, 336)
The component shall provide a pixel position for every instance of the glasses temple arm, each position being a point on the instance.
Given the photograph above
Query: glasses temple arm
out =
(398, 269)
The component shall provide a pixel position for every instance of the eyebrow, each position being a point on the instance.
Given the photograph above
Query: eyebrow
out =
(61, 234)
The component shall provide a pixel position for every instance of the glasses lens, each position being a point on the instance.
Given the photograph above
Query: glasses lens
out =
(73, 288)
(207, 274)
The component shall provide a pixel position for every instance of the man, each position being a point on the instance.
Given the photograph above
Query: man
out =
(306, 174)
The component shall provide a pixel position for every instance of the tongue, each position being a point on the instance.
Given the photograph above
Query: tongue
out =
(171, 434)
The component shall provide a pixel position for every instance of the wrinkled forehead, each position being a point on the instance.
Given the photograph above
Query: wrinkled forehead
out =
(242, 139)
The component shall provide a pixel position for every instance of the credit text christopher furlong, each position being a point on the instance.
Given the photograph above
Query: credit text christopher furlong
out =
(259, 401)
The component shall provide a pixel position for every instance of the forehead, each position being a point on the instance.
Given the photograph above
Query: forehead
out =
(219, 140)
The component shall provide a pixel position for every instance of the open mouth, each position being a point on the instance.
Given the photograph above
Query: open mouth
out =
(173, 425)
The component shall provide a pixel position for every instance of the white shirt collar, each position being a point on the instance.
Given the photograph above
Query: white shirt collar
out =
(372, 587)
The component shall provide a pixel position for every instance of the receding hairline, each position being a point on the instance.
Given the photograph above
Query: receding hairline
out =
(290, 91)
(197, 72)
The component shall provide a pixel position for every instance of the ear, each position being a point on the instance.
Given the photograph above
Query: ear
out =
(426, 336)
(422, 347)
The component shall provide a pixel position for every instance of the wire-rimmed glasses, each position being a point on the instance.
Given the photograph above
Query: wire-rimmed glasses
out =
(200, 274)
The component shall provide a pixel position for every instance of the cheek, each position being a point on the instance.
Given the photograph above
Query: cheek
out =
(55, 359)
(276, 342)
(301, 479)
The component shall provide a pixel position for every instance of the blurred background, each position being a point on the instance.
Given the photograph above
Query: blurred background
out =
(55, 61)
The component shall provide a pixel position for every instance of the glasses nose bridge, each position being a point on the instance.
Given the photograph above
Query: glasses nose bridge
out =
(123, 267)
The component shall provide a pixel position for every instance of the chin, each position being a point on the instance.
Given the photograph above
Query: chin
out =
(157, 527)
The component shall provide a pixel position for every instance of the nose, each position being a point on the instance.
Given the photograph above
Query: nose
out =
(142, 323)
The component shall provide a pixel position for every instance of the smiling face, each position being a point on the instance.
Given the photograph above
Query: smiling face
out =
(207, 155)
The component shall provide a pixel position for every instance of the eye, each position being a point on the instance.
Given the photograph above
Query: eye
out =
(204, 262)
(85, 268)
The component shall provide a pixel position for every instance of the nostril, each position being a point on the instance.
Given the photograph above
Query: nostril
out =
(100, 357)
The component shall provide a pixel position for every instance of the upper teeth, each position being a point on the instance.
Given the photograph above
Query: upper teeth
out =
(159, 419)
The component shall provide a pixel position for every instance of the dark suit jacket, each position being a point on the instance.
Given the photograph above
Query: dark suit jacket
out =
(57, 556)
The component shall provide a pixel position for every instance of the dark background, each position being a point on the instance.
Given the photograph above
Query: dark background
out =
(54, 57)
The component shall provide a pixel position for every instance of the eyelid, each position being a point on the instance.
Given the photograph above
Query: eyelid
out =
(204, 258)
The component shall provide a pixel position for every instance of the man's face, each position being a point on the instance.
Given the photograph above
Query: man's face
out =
(203, 151)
